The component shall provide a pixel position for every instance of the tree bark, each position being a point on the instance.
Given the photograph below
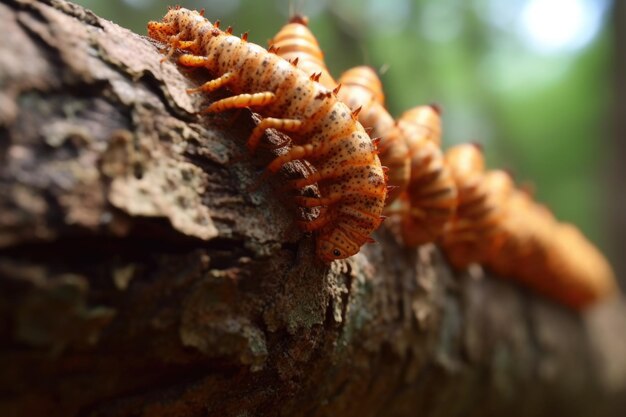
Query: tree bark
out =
(139, 275)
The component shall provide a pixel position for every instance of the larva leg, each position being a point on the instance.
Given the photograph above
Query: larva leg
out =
(185, 45)
(283, 125)
(173, 42)
(303, 182)
(317, 176)
(190, 60)
(315, 224)
(241, 101)
(213, 85)
(297, 152)
(311, 202)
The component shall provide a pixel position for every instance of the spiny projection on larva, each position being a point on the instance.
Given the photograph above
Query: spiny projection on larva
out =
(323, 130)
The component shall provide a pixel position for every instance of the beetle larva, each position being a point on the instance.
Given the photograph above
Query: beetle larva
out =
(324, 131)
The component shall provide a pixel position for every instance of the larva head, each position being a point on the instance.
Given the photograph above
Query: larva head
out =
(168, 26)
(364, 77)
(335, 245)
(172, 23)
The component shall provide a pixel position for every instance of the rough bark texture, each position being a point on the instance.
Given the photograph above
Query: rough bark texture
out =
(139, 276)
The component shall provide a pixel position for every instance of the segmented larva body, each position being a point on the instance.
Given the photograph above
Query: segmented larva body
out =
(503, 229)
(498, 187)
(552, 258)
(359, 88)
(431, 196)
(296, 43)
(473, 231)
(525, 226)
(581, 273)
(348, 172)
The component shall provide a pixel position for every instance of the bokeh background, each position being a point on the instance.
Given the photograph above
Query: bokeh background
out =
(540, 83)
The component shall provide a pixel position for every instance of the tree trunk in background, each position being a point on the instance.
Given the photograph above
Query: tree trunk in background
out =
(617, 167)
(140, 276)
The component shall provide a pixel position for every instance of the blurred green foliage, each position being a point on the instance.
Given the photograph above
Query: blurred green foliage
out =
(543, 116)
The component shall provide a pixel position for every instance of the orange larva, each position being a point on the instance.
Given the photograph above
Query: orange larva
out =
(552, 258)
(581, 273)
(324, 131)
(359, 88)
(502, 228)
(296, 43)
(431, 196)
(470, 235)
(524, 226)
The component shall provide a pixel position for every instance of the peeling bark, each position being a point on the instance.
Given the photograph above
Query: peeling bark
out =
(139, 275)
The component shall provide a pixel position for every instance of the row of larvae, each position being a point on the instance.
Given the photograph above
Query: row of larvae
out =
(504, 229)
(422, 190)
(476, 216)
